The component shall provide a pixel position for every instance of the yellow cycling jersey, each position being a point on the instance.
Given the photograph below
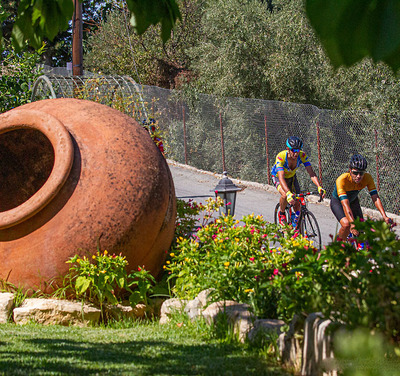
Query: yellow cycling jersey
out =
(281, 163)
(345, 188)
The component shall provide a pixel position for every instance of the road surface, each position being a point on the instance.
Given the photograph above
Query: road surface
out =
(254, 198)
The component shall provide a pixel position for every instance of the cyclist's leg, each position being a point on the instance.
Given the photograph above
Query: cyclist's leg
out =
(282, 199)
(295, 188)
(356, 209)
(337, 210)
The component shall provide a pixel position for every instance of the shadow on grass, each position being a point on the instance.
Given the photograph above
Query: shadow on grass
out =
(43, 356)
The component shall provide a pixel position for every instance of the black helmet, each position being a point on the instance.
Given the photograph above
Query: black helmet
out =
(294, 142)
(358, 162)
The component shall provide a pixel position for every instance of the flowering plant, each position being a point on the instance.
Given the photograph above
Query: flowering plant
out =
(144, 282)
(98, 277)
(239, 259)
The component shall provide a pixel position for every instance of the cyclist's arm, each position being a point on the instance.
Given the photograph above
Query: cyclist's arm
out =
(313, 176)
(378, 203)
(282, 181)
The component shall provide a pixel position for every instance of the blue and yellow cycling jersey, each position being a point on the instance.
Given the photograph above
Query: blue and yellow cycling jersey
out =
(281, 163)
(345, 188)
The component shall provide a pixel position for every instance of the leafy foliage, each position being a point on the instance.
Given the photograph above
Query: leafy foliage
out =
(352, 29)
(103, 279)
(239, 261)
(117, 49)
(39, 19)
(281, 274)
(18, 73)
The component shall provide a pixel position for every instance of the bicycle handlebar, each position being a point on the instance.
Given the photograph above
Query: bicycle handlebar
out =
(307, 193)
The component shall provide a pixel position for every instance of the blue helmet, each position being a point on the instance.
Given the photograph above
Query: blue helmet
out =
(294, 142)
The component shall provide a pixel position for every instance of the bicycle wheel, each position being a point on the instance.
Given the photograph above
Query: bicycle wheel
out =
(277, 208)
(309, 229)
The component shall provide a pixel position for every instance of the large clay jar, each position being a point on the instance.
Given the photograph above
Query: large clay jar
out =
(77, 175)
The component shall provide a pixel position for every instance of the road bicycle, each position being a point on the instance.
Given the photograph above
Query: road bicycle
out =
(307, 224)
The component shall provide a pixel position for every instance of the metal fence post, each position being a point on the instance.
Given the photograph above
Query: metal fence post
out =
(222, 141)
(319, 154)
(184, 134)
(266, 149)
(377, 161)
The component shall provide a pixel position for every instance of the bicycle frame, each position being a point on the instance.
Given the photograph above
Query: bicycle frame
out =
(301, 197)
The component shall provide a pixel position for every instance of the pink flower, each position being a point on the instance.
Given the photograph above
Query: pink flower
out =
(229, 203)
(252, 259)
(275, 272)
(264, 235)
(373, 230)
(362, 219)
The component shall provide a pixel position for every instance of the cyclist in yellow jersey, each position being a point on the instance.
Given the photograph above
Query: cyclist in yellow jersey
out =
(284, 175)
(344, 202)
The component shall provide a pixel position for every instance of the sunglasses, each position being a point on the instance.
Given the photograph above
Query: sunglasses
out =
(358, 173)
(295, 150)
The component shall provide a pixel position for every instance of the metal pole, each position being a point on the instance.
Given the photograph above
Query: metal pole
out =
(222, 142)
(184, 134)
(319, 154)
(378, 183)
(266, 149)
(77, 36)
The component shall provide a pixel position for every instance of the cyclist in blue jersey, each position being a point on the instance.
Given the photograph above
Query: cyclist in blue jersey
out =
(284, 175)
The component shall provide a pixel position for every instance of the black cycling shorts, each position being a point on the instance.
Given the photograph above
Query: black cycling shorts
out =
(292, 183)
(338, 211)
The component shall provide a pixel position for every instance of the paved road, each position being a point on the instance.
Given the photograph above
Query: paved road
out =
(255, 198)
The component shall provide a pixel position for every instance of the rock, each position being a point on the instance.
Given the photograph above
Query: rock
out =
(122, 311)
(237, 314)
(194, 307)
(169, 307)
(268, 328)
(54, 311)
(6, 306)
(205, 297)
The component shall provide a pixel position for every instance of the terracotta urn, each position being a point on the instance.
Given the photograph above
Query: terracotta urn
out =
(78, 176)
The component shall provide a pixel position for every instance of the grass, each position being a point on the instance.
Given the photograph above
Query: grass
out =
(126, 349)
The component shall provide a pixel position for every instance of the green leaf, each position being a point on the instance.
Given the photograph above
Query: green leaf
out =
(353, 29)
(150, 12)
(82, 284)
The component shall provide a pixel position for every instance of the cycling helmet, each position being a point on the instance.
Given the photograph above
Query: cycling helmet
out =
(358, 162)
(294, 142)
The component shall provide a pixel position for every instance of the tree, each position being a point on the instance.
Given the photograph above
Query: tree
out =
(18, 72)
(115, 48)
(348, 29)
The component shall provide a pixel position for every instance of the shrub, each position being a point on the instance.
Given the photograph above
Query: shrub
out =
(239, 260)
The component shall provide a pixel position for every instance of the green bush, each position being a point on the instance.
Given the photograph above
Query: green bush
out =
(281, 274)
(240, 260)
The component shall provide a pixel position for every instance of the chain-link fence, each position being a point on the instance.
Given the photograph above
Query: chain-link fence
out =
(243, 136)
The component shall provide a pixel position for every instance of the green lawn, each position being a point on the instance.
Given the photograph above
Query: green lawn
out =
(137, 349)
